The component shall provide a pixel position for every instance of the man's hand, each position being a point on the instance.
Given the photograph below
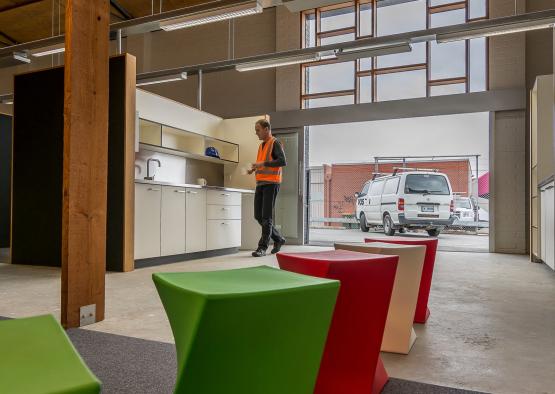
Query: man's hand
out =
(257, 165)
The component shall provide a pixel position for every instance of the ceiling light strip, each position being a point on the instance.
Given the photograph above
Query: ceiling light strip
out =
(278, 62)
(478, 32)
(212, 16)
(164, 79)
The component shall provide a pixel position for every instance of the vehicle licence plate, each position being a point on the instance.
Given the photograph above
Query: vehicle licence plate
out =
(427, 208)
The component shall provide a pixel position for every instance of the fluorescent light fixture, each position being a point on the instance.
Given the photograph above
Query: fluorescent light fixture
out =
(371, 51)
(163, 79)
(222, 14)
(278, 62)
(301, 5)
(508, 28)
(14, 59)
(51, 50)
(328, 55)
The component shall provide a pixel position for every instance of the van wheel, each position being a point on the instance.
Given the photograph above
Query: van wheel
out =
(363, 225)
(388, 228)
(434, 232)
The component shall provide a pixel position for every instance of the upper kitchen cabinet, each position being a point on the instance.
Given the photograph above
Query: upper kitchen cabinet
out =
(161, 138)
(150, 132)
(167, 126)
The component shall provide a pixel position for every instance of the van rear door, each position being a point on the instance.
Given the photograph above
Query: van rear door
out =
(427, 197)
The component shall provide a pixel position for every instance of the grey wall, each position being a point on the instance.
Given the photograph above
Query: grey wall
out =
(227, 94)
(515, 61)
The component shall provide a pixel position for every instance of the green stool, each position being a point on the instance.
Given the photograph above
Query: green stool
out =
(247, 331)
(36, 356)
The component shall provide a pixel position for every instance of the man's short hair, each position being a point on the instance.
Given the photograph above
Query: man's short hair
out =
(264, 123)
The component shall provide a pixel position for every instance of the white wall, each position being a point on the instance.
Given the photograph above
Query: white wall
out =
(241, 131)
(172, 169)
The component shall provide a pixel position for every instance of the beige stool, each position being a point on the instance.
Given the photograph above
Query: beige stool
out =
(399, 335)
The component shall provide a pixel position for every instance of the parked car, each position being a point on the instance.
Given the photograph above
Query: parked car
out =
(465, 209)
(407, 199)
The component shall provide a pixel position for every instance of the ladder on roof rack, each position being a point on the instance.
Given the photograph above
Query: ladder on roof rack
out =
(397, 169)
(380, 174)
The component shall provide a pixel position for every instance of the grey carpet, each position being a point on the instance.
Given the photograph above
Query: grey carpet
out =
(127, 365)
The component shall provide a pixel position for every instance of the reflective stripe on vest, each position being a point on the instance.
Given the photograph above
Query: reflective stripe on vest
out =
(267, 174)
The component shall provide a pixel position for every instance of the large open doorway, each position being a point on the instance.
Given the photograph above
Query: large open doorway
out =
(343, 158)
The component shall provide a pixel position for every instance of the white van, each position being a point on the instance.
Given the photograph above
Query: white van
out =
(411, 199)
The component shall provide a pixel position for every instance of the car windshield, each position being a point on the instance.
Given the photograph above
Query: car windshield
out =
(426, 184)
(463, 204)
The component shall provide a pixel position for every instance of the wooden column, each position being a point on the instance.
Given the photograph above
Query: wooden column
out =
(85, 163)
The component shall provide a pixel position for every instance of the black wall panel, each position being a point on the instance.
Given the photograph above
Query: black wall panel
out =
(5, 178)
(116, 168)
(38, 166)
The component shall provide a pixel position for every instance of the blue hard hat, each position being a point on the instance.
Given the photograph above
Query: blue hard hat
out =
(211, 151)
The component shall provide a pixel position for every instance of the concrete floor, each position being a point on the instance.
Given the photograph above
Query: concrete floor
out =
(491, 329)
(449, 241)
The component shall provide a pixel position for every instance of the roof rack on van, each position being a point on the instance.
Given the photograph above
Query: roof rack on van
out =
(397, 169)
(379, 174)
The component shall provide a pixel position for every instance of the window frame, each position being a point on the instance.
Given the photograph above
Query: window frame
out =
(378, 183)
(375, 71)
(396, 179)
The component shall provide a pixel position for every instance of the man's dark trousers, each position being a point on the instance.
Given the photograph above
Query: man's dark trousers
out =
(264, 203)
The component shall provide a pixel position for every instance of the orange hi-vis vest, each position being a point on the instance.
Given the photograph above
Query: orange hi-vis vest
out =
(267, 174)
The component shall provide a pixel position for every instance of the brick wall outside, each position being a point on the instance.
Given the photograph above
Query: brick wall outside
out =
(342, 181)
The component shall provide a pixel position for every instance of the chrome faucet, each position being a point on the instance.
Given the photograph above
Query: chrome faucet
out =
(148, 177)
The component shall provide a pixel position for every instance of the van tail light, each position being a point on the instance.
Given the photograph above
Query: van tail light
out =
(401, 204)
(452, 206)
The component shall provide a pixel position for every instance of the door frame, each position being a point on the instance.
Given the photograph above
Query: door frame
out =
(302, 205)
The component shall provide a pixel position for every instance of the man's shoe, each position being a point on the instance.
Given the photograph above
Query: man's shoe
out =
(259, 253)
(277, 246)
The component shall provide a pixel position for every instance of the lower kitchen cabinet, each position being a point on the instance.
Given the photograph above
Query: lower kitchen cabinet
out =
(196, 220)
(172, 237)
(147, 220)
(176, 220)
(222, 234)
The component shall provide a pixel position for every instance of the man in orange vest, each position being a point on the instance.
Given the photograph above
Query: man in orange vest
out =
(267, 168)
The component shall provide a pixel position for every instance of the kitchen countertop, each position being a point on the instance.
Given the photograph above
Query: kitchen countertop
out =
(229, 189)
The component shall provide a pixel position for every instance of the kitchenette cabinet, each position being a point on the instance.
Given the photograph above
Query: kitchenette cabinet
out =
(224, 219)
(173, 219)
(177, 220)
(147, 220)
(196, 220)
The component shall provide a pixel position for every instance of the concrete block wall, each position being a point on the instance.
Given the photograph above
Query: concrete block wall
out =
(228, 94)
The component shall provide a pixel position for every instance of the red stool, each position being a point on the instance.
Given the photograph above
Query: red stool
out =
(422, 312)
(351, 362)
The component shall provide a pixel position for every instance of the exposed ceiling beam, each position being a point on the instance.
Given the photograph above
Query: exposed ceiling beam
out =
(121, 9)
(16, 6)
(11, 40)
(140, 25)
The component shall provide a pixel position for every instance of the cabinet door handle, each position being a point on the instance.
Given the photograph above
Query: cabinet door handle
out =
(225, 224)
(179, 191)
(153, 190)
(190, 192)
(226, 194)
(225, 209)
